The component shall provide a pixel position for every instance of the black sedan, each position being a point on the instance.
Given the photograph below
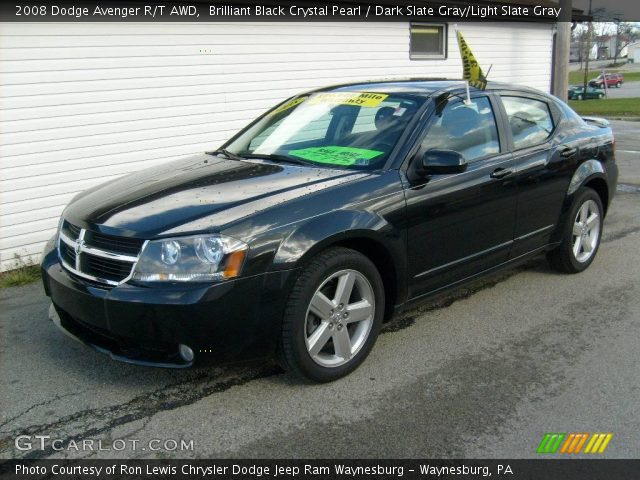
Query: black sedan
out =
(322, 218)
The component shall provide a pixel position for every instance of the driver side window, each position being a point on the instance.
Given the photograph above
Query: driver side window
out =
(467, 129)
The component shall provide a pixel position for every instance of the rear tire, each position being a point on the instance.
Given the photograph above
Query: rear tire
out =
(581, 234)
(579, 97)
(333, 316)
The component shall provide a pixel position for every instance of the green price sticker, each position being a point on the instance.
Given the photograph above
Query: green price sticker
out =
(335, 155)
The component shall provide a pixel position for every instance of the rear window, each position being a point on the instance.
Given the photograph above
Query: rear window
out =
(530, 120)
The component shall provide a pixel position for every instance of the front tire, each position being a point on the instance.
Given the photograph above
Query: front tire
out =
(581, 234)
(333, 315)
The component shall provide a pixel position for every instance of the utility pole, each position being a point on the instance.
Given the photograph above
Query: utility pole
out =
(586, 65)
(561, 54)
(617, 44)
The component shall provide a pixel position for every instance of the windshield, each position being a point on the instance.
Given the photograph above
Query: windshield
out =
(356, 130)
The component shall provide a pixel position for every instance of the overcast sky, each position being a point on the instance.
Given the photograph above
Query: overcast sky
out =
(626, 10)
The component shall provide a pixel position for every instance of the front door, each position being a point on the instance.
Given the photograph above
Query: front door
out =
(460, 224)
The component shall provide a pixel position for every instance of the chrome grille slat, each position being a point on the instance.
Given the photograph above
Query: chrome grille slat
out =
(126, 246)
(110, 255)
(84, 257)
(68, 254)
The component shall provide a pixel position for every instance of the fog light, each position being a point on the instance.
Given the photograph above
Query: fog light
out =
(186, 353)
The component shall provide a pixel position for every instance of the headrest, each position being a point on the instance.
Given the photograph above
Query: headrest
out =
(384, 113)
(461, 119)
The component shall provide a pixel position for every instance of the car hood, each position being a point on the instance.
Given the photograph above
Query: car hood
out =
(160, 200)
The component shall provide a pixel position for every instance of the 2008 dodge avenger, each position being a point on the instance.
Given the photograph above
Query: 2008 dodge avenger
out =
(311, 226)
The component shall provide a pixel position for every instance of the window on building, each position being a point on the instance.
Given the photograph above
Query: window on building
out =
(530, 120)
(428, 41)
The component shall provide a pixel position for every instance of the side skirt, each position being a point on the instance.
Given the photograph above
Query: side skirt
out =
(452, 286)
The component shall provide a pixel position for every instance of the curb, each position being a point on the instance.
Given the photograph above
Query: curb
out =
(628, 119)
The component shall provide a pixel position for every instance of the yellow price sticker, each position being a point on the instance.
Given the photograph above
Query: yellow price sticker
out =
(288, 105)
(349, 98)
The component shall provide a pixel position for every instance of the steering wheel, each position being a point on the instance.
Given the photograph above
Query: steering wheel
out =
(381, 145)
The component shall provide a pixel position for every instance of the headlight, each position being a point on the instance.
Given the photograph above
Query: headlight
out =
(191, 259)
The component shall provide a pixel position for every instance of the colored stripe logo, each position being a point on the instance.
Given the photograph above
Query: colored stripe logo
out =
(572, 443)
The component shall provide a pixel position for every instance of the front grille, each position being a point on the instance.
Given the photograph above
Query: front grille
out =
(106, 259)
(68, 254)
(71, 229)
(114, 270)
(130, 246)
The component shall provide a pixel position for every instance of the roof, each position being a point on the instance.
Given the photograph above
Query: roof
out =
(416, 86)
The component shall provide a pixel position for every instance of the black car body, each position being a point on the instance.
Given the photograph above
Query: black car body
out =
(424, 227)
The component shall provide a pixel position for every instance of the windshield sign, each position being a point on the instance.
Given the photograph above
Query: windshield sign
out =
(339, 129)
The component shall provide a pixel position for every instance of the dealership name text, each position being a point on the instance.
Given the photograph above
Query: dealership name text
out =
(212, 470)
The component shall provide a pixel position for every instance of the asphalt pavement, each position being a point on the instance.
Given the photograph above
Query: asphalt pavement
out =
(483, 372)
(627, 90)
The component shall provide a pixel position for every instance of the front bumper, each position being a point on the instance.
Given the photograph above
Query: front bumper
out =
(233, 320)
(109, 346)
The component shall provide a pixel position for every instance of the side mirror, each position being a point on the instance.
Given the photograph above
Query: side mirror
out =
(442, 162)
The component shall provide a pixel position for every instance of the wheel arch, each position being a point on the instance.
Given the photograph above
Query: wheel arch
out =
(590, 174)
(382, 259)
(369, 235)
(599, 184)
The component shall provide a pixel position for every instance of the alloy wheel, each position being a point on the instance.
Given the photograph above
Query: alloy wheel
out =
(586, 231)
(339, 318)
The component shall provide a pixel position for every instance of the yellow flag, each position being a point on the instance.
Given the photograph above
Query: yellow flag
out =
(471, 69)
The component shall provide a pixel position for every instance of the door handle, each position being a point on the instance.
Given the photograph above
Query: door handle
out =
(567, 152)
(501, 172)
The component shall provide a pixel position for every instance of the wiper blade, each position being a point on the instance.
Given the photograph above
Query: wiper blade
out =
(226, 153)
(278, 158)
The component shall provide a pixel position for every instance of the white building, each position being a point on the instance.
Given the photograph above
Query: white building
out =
(83, 103)
(633, 52)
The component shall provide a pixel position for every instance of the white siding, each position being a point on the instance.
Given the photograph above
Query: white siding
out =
(84, 103)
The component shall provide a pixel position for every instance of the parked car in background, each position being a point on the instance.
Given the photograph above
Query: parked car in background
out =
(576, 92)
(611, 80)
(298, 237)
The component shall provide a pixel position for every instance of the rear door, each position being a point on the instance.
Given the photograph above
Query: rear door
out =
(542, 167)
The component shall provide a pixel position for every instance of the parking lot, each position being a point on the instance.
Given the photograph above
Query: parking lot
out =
(627, 90)
(483, 372)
